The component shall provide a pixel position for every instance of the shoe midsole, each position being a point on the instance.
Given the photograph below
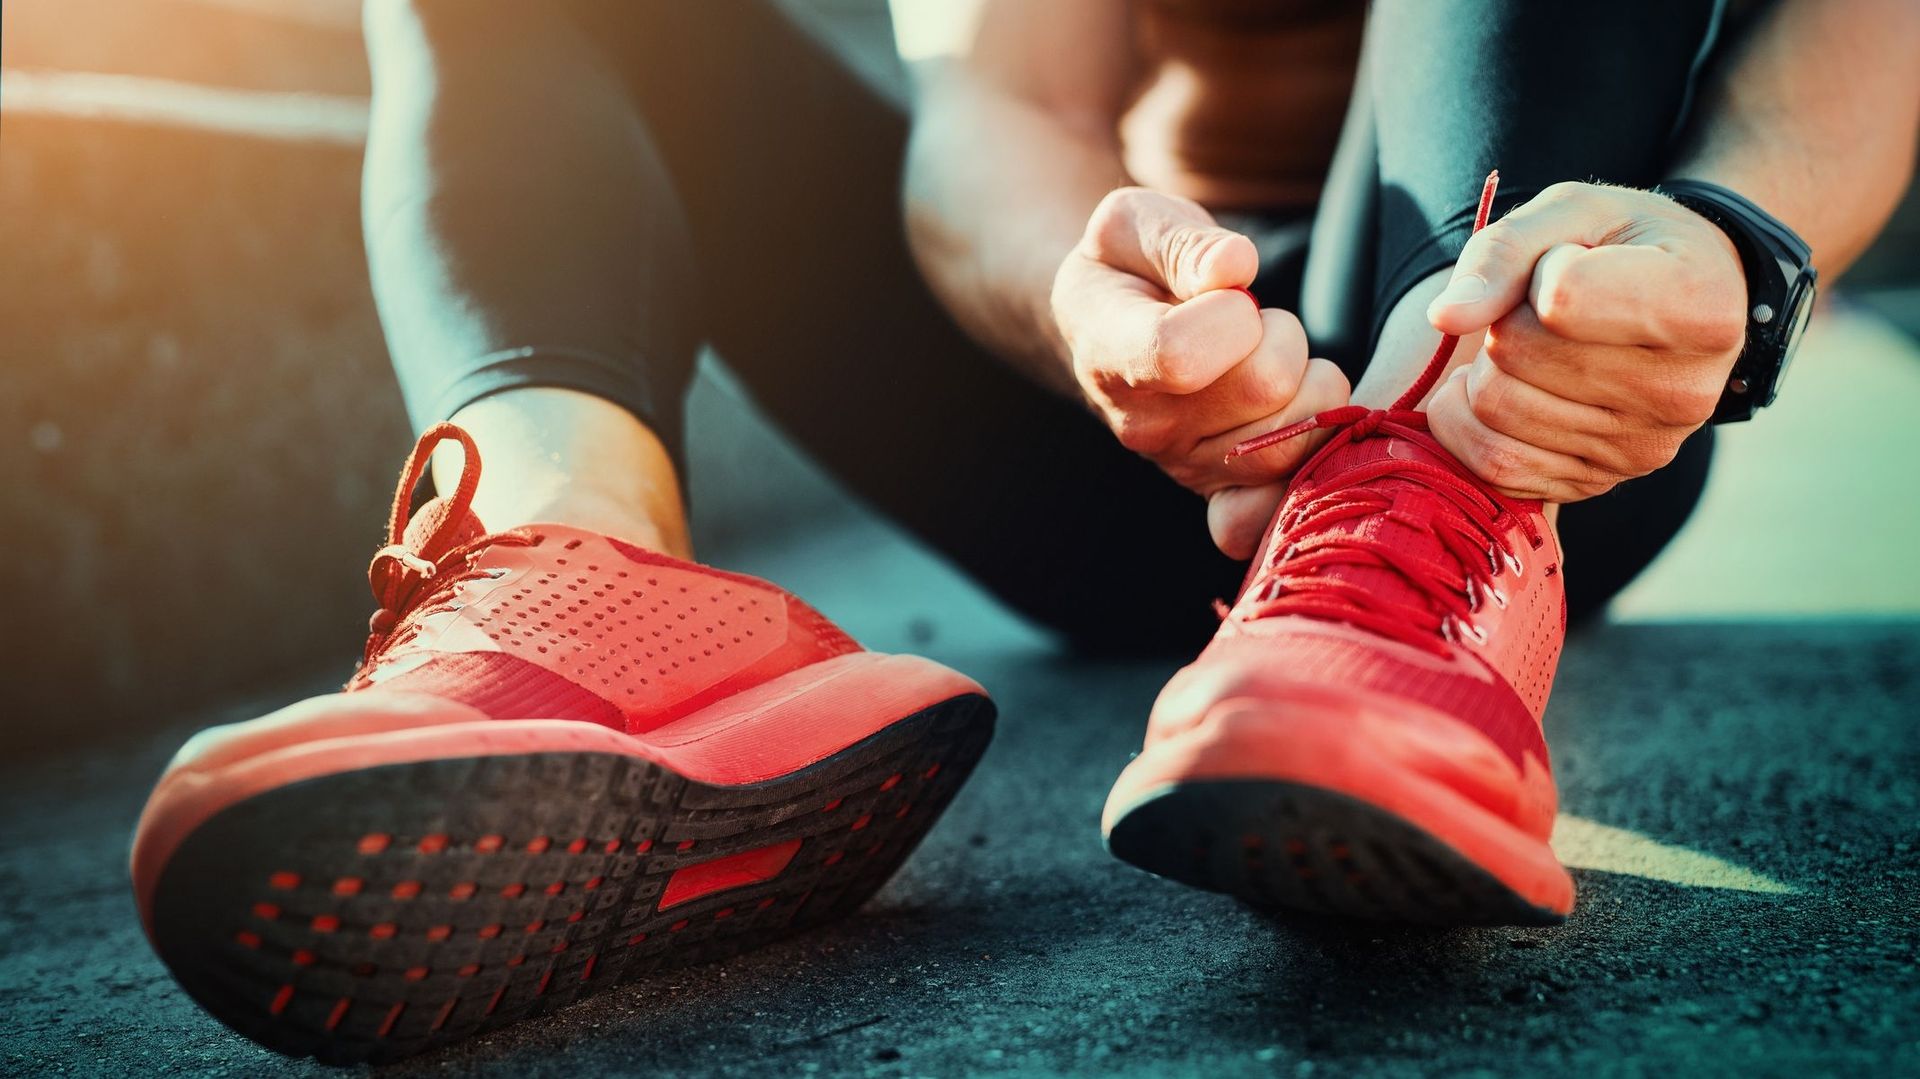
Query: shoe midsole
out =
(1321, 749)
(765, 732)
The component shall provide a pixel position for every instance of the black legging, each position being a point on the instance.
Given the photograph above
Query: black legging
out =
(580, 194)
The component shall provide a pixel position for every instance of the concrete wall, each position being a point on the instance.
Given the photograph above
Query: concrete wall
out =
(197, 422)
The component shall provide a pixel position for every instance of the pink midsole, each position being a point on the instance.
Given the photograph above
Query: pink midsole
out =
(771, 730)
(1334, 752)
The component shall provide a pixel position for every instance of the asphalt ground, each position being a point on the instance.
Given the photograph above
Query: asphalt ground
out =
(1748, 790)
(1739, 756)
(1739, 768)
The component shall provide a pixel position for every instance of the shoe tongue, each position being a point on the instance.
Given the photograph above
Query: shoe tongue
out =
(1404, 526)
(1365, 451)
(428, 519)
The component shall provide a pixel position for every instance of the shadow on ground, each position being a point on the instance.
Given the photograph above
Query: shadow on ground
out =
(1012, 942)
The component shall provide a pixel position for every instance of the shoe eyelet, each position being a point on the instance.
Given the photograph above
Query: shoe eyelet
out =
(1454, 629)
(1514, 563)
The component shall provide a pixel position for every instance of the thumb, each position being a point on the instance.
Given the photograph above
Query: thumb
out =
(1495, 269)
(1192, 258)
(1490, 279)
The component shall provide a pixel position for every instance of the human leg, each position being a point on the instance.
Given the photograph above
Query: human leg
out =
(1363, 735)
(567, 757)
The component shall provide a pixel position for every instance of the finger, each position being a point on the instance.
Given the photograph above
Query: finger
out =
(1595, 374)
(1237, 517)
(1659, 387)
(1634, 294)
(1131, 335)
(1495, 268)
(1322, 386)
(1508, 465)
(1261, 384)
(1514, 407)
(1171, 242)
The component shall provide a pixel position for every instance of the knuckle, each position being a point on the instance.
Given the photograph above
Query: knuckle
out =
(1282, 383)
(1174, 377)
(1113, 222)
(1595, 486)
(1144, 435)
(1285, 331)
(1285, 372)
(1722, 328)
(1170, 369)
(1490, 404)
(1650, 454)
(1508, 339)
(1684, 404)
(1324, 384)
(1707, 314)
(1494, 459)
(1568, 193)
(1092, 375)
(1501, 243)
(1559, 305)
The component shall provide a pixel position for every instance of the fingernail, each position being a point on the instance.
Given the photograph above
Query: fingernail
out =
(1467, 288)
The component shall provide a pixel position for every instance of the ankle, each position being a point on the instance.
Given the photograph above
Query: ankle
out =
(553, 456)
(593, 511)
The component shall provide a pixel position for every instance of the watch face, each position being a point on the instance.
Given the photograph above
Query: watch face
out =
(1793, 328)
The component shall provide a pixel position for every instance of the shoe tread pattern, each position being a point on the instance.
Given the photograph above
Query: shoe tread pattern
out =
(277, 917)
(1277, 845)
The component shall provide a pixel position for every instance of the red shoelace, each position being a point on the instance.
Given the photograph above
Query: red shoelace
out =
(412, 578)
(1466, 519)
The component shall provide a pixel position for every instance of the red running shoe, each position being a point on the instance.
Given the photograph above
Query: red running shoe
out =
(564, 762)
(1362, 736)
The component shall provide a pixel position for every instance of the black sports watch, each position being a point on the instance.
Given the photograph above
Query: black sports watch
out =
(1780, 288)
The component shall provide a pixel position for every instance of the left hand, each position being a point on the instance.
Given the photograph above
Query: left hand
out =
(1616, 316)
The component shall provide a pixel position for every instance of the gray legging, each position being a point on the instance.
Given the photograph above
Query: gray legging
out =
(582, 193)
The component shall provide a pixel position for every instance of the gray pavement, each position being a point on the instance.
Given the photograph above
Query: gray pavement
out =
(1741, 790)
(1012, 943)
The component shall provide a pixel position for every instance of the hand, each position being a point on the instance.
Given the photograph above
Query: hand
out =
(1168, 349)
(1634, 312)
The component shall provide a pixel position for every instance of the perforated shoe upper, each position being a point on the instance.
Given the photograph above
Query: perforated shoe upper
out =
(577, 625)
(555, 622)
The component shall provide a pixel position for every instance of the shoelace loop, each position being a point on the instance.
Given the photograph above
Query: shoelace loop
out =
(1466, 518)
(403, 578)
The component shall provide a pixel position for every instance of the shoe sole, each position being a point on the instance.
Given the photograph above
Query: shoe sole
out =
(1320, 799)
(370, 914)
(1277, 844)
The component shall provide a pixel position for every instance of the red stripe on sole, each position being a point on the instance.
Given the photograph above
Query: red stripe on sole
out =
(733, 871)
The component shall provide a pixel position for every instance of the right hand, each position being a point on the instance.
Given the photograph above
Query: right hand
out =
(1168, 349)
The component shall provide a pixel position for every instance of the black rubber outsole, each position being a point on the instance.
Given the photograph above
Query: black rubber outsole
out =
(375, 914)
(1277, 845)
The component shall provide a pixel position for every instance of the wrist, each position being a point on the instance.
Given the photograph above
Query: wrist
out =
(1779, 281)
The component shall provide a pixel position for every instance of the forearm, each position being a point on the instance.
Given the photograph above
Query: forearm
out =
(998, 192)
(1814, 116)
